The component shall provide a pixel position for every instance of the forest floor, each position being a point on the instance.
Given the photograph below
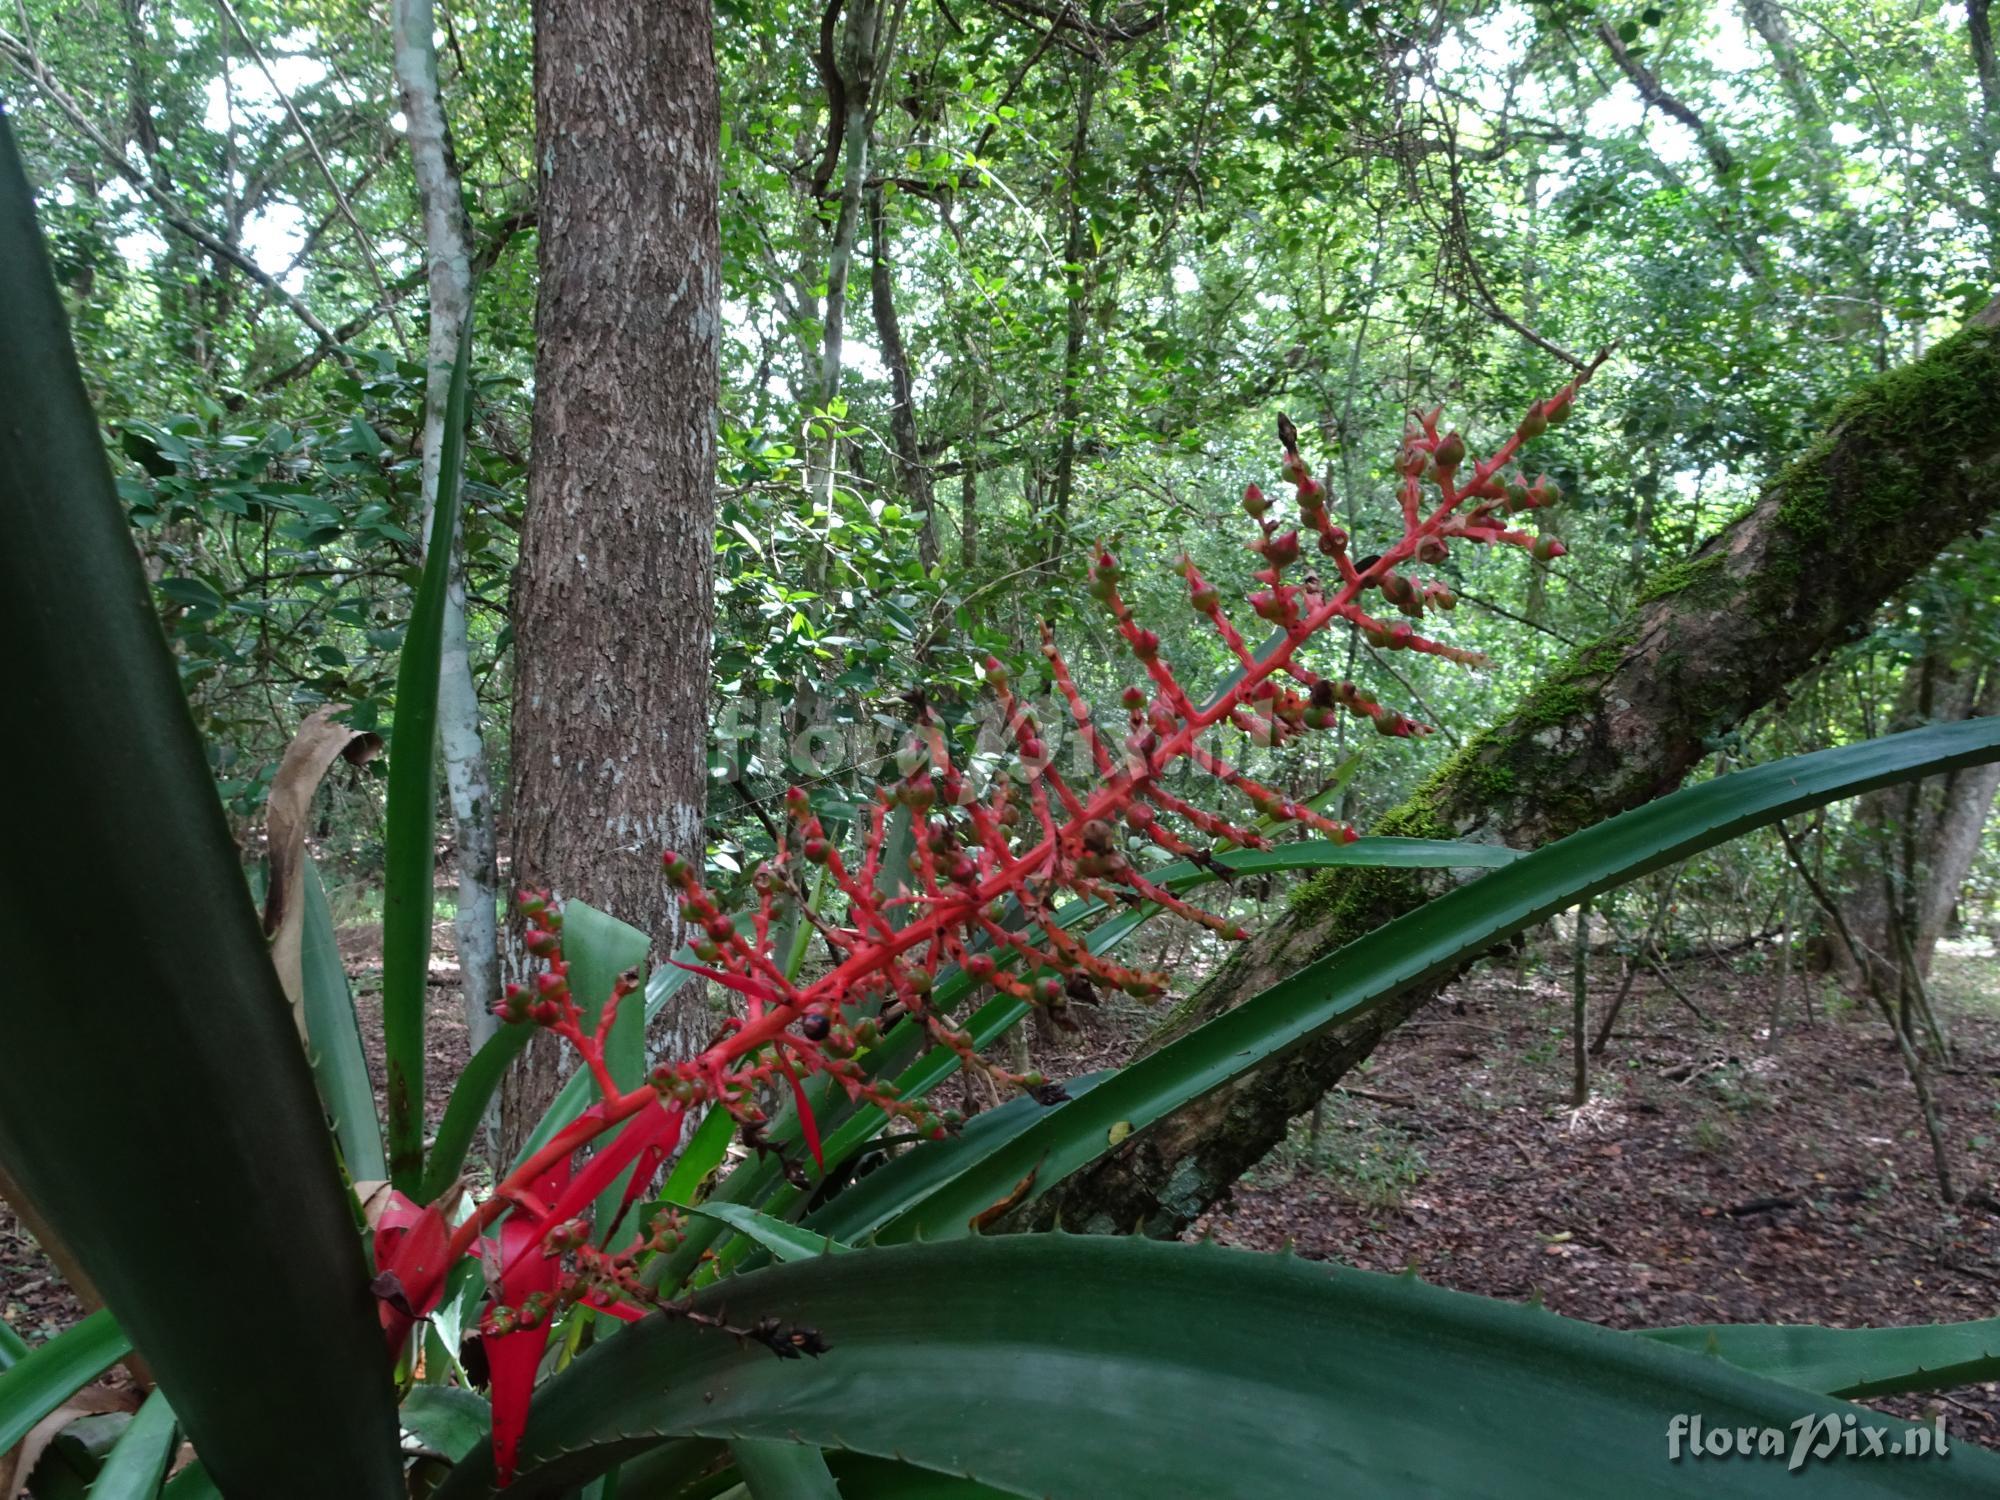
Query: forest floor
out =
(1714, 1176)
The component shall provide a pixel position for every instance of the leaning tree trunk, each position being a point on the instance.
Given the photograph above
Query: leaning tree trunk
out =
(612, 600)
(1911, 463)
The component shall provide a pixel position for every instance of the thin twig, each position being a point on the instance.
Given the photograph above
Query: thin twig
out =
(333, 184)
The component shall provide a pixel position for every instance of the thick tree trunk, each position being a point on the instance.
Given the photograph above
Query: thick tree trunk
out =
(448, 266)
(612, 600)
(1911, 463)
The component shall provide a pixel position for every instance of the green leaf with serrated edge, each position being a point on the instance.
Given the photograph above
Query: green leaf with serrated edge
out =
(1434, 940)
(138, 1461)
(1089, 1366)
(785, 1241)
(50, 1373)
(446, 1419)
(1851, 1362)
(340, 1068)
(684, 1469)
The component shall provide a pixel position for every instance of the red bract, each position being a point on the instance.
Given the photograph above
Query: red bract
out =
(986, 855)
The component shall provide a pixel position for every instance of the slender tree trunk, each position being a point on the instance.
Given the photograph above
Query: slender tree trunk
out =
(1076, 252)
(850, 79)
(913, 474)
(968, 486)
(1979, 33)
(1767, 19)
(1579, 983)
(1965, 802)
(613, 597)
(1912, 848)
(1911, 463)
(857, 65)
(448, 267)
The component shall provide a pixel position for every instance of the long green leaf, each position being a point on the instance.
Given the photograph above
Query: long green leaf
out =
(13, 1348)
(410, 843)
(50, 1373)
(470, 1097)
(703, 1152)
(1434, 940)
(783, 1471)
(340, 1068)
(865, 1206)
(1852, 1362)
(786, 1241)
(1096, 1367)
(138, 1461)
(158, 1108)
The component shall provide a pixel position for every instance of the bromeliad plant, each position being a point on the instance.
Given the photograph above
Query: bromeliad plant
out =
(159, 1110)
(986, 869)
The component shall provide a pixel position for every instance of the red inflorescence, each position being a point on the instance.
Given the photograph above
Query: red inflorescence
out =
(984, 855)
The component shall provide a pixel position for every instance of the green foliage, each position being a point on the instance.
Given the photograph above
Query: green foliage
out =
(1083, 1358)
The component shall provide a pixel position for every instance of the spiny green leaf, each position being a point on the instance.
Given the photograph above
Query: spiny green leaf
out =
(1851, 1362)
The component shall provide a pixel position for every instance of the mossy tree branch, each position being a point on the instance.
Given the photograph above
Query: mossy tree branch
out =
(1908, 465)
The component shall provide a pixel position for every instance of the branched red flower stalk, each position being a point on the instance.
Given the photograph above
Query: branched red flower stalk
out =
(982, 858)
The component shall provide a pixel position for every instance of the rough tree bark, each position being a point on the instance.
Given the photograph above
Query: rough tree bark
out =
(1911, 462)
(448, 269)
(612, 599)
